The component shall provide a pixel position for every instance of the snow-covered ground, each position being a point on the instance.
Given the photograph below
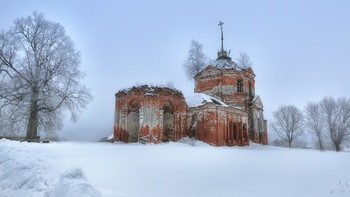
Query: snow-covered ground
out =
(172, 169)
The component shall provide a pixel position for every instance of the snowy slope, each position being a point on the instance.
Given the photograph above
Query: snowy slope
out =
(26, 173)
(172, 169)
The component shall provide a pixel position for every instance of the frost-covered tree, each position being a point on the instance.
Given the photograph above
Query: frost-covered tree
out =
(244, 61)
(196, 60)
(337, 119)
(288, 123)
(314, 120)
(39, 75)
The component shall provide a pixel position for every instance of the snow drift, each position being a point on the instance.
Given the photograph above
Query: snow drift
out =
(24, 174)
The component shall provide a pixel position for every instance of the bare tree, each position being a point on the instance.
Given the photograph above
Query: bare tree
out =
(288, 123)
(337, 118)
(39, 75)
(244, 61)
(315, 122)
(196, 60)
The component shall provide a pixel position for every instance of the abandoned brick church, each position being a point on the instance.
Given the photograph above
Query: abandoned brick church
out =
(223, 111)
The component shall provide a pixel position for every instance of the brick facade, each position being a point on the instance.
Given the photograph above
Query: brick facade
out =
(242, 119)
(218, 125)
(149, 114)
(222, 84)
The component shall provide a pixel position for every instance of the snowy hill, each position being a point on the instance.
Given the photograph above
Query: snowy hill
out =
(184, 168)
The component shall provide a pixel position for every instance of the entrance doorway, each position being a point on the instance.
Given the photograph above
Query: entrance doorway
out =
(133, 126)
(168, 122)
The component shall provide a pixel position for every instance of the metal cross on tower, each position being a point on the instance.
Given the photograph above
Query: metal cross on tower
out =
(222, 36)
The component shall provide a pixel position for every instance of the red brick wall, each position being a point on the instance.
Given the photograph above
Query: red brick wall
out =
(222, 84)
(215, 125)
(151, 103)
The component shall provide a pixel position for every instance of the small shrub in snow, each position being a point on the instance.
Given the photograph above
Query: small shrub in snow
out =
(344, 188)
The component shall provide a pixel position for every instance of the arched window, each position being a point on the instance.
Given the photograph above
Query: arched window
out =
(240, 85)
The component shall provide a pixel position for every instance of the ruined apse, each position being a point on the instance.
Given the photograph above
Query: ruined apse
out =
(149, 114)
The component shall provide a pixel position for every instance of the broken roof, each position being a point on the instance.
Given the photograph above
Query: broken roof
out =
(199, 99)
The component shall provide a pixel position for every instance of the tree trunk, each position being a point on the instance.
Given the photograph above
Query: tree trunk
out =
(337, 147)
(289, 144)
(320, 143)
(32, 127)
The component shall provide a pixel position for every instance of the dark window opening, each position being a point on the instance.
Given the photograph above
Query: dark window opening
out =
(194, 127)
(250, 89)
(239, 86)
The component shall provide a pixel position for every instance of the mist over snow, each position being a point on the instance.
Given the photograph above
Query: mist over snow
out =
(186, 168)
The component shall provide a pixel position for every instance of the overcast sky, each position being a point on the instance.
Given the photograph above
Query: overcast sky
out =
(300, 49)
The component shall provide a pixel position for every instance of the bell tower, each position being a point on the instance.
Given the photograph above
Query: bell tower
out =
(225, 81)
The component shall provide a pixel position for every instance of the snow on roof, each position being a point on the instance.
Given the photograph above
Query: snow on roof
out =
(226, 64)
(199, 99)
(150, 89)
